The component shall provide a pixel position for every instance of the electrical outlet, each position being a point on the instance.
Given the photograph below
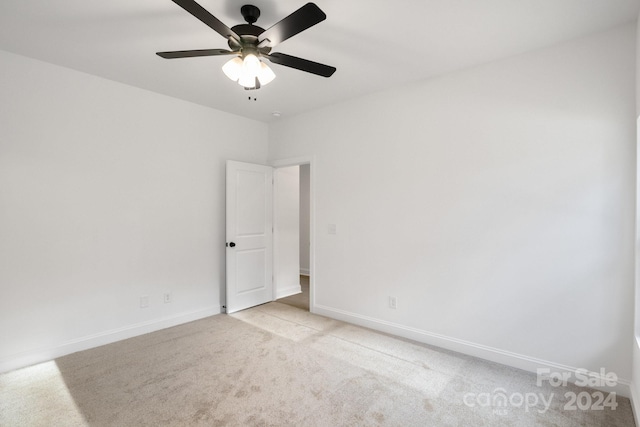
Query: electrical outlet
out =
(144, 301)
(393, 302)
(167, 297)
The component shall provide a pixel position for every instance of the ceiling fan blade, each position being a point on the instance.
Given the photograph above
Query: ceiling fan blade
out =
(195, 52)
(192, 53)
(301, 64)
(201, 13)
(303, 18)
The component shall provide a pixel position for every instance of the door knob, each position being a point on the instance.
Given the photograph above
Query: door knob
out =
(232, 245)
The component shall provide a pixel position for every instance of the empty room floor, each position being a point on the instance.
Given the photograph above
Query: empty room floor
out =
(276, 365)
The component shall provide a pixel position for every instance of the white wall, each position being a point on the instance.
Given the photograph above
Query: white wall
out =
(287, 231)
(107, 193)
(305, 217)
(497, 204)
(635, 385)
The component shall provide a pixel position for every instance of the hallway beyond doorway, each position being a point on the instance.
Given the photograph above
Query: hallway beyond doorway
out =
(300, 300)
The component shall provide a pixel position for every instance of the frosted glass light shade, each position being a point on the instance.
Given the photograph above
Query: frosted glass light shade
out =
(251, 65)
(250, 69)
(266, 75)
(233, 68)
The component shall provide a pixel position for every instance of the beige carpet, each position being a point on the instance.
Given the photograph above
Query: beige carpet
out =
(277, 365)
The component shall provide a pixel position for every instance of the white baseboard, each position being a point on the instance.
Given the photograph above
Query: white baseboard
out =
(634, 403)
(288, 291)
(305, 272)
(635, 383)
(515, 360)
(40, 355)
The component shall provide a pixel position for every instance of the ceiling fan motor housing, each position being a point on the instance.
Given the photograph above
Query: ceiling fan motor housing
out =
(248, 32)
(248, 40)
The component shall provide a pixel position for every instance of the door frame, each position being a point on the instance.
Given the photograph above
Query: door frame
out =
(297, 161)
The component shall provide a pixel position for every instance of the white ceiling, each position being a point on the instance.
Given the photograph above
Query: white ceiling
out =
(374, 44)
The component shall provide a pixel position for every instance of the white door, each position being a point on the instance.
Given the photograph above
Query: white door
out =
(249, 235)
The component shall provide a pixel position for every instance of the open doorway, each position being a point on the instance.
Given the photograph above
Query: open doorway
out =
(302, 177)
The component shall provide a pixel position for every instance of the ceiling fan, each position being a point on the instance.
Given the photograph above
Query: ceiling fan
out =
(248, 43)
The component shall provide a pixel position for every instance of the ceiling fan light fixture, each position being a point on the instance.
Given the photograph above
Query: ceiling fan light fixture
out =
(245, 70)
